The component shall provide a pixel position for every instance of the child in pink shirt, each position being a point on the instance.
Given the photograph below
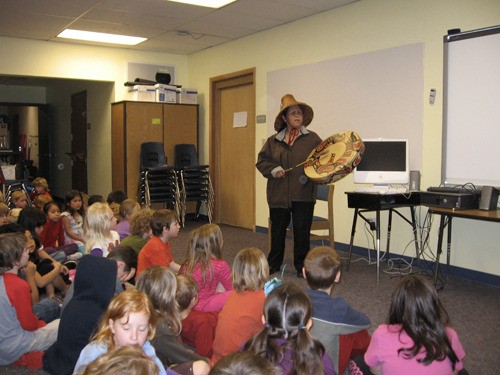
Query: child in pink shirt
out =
(416, 340)
(204, 263)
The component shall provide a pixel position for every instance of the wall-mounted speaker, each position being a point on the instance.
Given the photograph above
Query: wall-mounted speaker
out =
(489, 198)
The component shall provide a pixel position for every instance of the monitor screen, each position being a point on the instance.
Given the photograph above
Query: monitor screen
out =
(384, 162)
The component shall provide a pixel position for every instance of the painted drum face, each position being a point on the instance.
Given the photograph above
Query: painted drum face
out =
(334, 158)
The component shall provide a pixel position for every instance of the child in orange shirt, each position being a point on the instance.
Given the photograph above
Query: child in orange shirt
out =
(241, 316)
(157, 251)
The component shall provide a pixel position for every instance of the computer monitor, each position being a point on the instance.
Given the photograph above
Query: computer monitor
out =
(385, 161)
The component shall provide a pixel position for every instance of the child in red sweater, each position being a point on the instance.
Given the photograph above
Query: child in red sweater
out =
(52, 236)
(23, 337)
(198, 327)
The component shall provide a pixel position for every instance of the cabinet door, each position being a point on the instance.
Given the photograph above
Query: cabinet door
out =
(144, 123)
(180, 126)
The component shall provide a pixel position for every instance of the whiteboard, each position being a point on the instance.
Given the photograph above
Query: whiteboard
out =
(471, 131)
(376, 94)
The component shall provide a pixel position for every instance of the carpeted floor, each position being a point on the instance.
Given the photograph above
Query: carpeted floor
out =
(474, 308)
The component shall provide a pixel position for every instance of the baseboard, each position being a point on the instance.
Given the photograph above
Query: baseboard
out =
(455, 271)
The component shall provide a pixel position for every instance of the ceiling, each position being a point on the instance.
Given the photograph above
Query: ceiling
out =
(169, 26)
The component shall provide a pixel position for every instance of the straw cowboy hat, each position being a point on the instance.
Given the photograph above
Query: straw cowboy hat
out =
(288, 101)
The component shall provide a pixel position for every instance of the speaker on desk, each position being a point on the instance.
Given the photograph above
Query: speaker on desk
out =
(489, 198)
(414, 180)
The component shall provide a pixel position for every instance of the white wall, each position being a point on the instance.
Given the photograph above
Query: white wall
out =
(367, 25)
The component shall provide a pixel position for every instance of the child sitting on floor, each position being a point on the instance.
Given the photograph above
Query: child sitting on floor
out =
(4, 212)
(159, 283)
(19, 199)
(40, 187)
(72, 219)
(285, 340)
(198, 327)
(322, 269)
(416, 339)
(140, 230)
(158, 251)
(241, 316)
(23, 337)
(205, 264)
(100, 235)
(130, 320)
(128, 208)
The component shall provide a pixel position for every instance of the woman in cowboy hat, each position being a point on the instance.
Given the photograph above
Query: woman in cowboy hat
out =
(289, 193)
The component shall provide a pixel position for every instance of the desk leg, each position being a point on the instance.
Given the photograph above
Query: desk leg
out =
(439, 247)
(353, 232)
(448, 246)
(414, 227)
(389, 227)
(378, 244)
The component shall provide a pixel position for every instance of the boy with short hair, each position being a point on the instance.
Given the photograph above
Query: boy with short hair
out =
(198, 327)
(23, 337)
(158, 251)
(322, 268)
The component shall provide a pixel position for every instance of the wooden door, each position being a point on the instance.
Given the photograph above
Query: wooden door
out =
(144, 123)
(233, 148)
(79, 141)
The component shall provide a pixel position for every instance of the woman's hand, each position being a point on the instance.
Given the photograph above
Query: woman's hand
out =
(280, 174)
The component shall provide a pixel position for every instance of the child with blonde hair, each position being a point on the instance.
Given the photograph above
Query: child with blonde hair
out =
(100, 235)
(205, 264)
(128, 208)
(160, 284)
(130, 320)
(4, 212)
(72, 219)
(40, 188)
(241, 316)
(41, 200)
(127, 360)
(19, 199)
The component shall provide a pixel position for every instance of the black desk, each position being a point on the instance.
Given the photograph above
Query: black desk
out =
(369, 202)
(447, 214)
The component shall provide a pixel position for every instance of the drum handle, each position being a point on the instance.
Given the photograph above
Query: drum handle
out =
(309, 158)
(298, 165)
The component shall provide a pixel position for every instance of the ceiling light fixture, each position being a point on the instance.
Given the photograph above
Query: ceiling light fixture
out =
(205, 3)
(101, 37)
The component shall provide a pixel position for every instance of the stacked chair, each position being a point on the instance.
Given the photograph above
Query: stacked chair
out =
(194, 180)
(158, 181)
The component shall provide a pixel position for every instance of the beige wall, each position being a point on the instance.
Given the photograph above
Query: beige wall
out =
(101, 71)
(365, 26)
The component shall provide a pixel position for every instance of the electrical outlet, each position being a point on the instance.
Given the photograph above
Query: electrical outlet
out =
(372, 223)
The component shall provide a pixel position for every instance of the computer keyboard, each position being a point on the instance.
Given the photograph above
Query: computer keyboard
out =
(453, 190)
(381, 190)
